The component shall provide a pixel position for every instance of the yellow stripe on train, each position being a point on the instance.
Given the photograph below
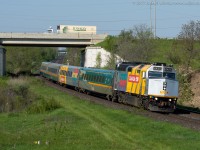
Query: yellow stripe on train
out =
(135, 83)
(101, 85)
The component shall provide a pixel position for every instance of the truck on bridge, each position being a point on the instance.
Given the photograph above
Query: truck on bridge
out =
(76, 29)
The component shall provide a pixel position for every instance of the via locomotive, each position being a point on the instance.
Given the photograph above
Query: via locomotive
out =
(151, 86)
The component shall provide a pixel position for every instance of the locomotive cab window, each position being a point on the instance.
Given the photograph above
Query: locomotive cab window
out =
(154, 74)
(169, 75)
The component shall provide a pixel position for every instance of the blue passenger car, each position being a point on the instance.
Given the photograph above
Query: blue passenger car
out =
(96, 80)
(50, 71)
(69, 75)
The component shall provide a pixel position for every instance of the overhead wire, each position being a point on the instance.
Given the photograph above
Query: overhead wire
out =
(45, 18)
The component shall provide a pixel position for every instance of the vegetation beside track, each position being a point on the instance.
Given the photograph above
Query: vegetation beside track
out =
(79, 124)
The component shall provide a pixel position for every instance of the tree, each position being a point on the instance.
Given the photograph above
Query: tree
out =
(189, 35)
(144, 42)
(73, 56)
(26, 60)
(174, 55)
(135, 44)
(109, 43)
(98, 60)
(111, 63)
(125, 45)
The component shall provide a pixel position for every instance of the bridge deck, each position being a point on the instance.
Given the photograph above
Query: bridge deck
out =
(51, 39)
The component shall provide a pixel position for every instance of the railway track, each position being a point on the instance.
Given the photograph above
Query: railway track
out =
(182, 117)
(187, 110)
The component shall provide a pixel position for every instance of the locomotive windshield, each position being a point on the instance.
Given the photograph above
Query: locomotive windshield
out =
(169, 75)
(155, 74)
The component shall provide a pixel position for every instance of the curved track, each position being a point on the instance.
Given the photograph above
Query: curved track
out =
(183, 118)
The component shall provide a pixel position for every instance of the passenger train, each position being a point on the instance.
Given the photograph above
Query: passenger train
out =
(151, 86)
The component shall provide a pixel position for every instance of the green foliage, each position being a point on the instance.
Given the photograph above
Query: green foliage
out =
(16, 96)
(43, 105)
(109, 43)
(189, 36)
(19, 86)
(111, 62)
(3, 81)
(133, 45)
(98, 60)
(27, 60)
(73, 56)
(174, 53)
(185, 92)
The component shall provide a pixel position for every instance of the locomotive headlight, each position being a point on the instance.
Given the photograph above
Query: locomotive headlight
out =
(164, 85)
(156, 98)
(170, 99)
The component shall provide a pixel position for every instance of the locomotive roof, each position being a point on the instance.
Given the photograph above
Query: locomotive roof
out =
(122, 66)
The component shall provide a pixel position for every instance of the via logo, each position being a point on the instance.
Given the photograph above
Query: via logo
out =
(133, 78)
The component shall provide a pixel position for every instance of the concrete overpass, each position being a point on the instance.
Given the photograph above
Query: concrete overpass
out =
(45, 39)
(50, 39)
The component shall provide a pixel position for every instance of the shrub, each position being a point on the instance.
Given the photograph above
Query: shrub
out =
(185, 92)
(15, 96)
(43, 105)
(20, 86)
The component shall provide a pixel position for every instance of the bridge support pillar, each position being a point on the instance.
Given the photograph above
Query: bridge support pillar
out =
(2, 61)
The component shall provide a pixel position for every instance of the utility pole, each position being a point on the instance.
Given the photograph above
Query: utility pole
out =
(155, 20)
(153, 26)
(151, 16)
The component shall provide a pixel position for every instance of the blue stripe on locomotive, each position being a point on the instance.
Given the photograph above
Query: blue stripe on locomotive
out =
(121, 81)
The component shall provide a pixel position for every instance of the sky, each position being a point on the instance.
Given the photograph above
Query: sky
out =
(110, 16)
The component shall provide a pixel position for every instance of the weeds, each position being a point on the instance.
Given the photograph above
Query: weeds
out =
(42, 106)
(16, 96)
(185, 92)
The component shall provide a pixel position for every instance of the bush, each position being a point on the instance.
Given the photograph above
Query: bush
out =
(42, 106)
(20, 86)
(185, 92)
(26, 60)
(15, 96)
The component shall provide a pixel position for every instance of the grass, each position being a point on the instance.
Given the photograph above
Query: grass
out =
(80, 124)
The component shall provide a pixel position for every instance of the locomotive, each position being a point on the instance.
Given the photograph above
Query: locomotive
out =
(152, 86)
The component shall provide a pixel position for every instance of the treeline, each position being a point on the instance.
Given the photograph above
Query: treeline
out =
(27, 60)
(139, 44)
